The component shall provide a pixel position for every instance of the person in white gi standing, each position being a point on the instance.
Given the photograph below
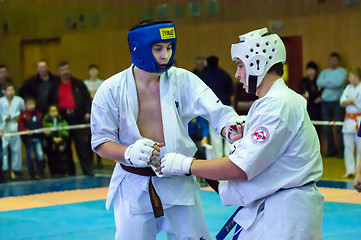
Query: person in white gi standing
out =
(351, 100)
(143, 112)
(273, 169)
(10, 108)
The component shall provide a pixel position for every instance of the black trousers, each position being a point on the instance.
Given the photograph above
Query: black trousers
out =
(81, 139)
(332, 111)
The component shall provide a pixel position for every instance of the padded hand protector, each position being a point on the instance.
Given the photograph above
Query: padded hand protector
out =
(231, 126)
(139, 153)
(175, 164)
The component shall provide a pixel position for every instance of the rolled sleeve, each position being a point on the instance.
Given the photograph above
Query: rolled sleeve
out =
(104, 125)
(263, 143)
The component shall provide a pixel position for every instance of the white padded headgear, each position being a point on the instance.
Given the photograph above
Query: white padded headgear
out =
(259, 53)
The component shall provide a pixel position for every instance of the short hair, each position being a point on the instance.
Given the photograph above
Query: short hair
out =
(91, 66)
(2, 65)
(335, 54)
(63, 63)
(212, 61)
(312, 65)
(277, 69)
(28, 99)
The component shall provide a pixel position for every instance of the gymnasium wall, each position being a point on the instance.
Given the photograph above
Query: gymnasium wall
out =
(95, 31)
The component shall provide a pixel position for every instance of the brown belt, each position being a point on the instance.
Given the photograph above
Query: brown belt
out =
(154, 198)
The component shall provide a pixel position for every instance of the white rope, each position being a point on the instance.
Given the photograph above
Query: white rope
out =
(50, 129)
(331, 123)
(80, 126)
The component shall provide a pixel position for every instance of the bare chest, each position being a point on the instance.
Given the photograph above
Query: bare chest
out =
(150, 114)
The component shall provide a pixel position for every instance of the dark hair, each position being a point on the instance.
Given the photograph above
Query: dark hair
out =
(335, 54)
(93, 66)
(312, 65)
(2, 65)
(212, 61)
(62, 63)
(52, 105)
(29, 99)
(277, 69)
(147, 23)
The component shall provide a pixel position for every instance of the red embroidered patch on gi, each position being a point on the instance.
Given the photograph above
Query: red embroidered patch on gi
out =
(260, 135)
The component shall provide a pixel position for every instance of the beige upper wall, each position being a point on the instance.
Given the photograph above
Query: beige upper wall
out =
(324, 27)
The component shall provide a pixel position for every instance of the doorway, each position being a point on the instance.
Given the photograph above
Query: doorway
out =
(39, 49)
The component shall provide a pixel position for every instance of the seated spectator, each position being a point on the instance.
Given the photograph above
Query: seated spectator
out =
(55, 142)
(31, 119)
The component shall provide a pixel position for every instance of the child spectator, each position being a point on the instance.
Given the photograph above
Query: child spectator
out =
(351, 99)
(31, 119)
(10, 108)
(56, 143)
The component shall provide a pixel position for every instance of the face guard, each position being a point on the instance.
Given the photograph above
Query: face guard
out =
(141, 40)
(258, 53)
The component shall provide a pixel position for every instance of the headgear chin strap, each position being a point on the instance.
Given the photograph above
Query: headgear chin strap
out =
(141, 40)
(252, 84)
(258, 52)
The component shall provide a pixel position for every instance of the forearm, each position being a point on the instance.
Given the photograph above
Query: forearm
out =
(347, 102)
(218, 169)
(111, 150)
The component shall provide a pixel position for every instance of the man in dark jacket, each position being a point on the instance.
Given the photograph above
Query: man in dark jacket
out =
(38, 87)
(73, 100)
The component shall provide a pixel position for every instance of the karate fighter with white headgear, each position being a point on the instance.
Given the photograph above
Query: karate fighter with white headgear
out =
(142, 113)
(272, 170)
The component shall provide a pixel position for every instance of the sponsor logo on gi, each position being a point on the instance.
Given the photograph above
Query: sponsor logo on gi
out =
(260, 135)
(167, 33)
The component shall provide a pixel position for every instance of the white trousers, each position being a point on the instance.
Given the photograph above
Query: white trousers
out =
(179, 222)
(220, 146)
(15, 147)
(350, 140)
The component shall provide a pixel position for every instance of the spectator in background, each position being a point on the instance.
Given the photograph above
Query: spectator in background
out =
(221, 84)
(56, 143)
(93, 83)
(332, 81)
(198, 130)
(200, 65)
(10, 108)
(242, 100)
(31, 119)
(73, 100)
(4, 79)
(310, 91)
(38, 87)
(351, 100)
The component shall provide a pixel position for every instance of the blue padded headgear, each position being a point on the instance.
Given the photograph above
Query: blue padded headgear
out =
(141, 40)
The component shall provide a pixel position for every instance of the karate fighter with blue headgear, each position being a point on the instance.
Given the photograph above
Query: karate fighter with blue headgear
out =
(142, 113)
(272, 170)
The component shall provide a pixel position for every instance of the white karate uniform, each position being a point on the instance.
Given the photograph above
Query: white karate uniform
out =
(13, 109)
(349, 128)
(113, 118)
(279, 150)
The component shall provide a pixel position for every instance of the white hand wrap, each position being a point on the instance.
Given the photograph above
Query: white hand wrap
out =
(175, 164)
(231, 126)
(139, 153)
